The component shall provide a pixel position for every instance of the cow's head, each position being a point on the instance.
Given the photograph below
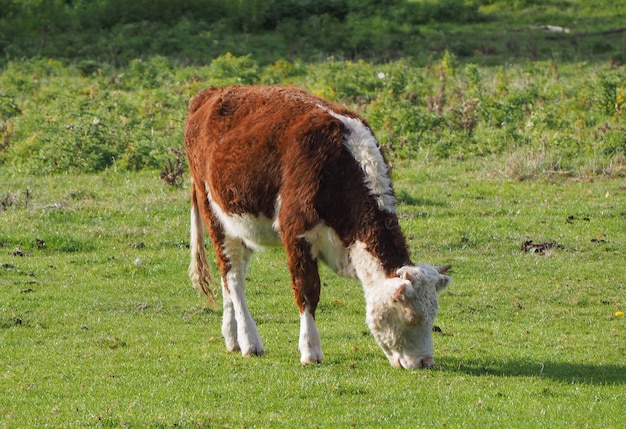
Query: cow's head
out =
(401, 311)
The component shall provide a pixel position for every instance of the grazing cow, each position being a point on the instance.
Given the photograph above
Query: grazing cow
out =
(278, 166)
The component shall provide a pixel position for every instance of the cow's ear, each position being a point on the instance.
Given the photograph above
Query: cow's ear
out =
(408, 273)
(399, 295)
(444, 281)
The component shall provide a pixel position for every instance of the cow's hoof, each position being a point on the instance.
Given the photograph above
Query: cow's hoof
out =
(255, 350)
(232, 346)
(311, 359)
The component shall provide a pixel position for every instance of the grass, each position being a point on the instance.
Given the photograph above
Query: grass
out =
(99, 326)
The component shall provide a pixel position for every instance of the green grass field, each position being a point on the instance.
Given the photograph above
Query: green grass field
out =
(100, 326)
(508, 151)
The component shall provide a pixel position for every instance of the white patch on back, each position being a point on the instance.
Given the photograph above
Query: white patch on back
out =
(257, 232)
(365, 149)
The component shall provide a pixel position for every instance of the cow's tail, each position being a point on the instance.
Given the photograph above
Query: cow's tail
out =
(199, 269)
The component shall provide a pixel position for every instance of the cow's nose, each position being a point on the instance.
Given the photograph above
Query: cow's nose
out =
(427, 362)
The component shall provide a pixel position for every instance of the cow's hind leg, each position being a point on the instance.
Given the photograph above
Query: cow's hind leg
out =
(238, 328)
(229, 323)
(233, 260)
(306, 289)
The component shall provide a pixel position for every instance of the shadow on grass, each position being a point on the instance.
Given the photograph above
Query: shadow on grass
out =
(403, 197)
(565, 372)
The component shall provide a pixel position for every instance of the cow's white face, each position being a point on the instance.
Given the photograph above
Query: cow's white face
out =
(401, 312)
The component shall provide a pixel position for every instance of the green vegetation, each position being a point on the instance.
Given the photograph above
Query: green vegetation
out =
(539, 119)
(499, 133)
(100, 327)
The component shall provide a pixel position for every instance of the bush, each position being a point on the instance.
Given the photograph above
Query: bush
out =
(147, 74)
(228, 69)
(610, 92)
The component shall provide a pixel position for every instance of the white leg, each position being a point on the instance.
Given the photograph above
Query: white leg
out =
(310, 345)
(229, 323)
(247, 334)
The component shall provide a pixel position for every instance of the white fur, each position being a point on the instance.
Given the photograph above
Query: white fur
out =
(368, 268)
(327, 246)
(310, 344)
(229, 322)
(365, 149)
(242, 234)
(256, 231)
(277, 205)
(235, 307)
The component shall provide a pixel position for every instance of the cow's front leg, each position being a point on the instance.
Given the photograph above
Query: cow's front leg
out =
(306, 289)
(309, 344)
(238, 328)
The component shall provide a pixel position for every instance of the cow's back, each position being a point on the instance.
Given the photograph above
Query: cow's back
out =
(248, 143)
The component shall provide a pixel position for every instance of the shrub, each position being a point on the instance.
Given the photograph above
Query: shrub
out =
(228, 69)
(8, 107)
(611, 85)
(614, 142)
(147, 74)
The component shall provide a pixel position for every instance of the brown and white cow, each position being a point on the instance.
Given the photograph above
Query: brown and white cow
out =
(278, 166)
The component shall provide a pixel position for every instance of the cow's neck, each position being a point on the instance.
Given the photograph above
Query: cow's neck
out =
(372, 268)
(379, 248)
